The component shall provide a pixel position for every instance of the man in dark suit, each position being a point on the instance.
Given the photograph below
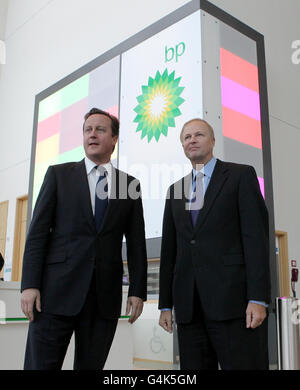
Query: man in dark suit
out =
(72, 267)
(215, 260)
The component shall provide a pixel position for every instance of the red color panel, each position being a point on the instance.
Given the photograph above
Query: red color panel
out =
(72, 117)
(239, 70)
(48, 127)
(241, 128)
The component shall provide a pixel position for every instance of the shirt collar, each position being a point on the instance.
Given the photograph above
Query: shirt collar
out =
(90, 165)
(207, 169)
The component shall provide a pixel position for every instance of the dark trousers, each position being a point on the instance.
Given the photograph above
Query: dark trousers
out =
(49, 336)
(203, 344)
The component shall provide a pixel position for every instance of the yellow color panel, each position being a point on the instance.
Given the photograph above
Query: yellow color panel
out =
(47, 149)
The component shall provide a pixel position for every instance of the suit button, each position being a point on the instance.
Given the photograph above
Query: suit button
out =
(193, 242)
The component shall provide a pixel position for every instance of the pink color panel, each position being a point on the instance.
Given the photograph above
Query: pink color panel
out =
(113, 110)
(48, 127)
(261, 185)
(72, 118)
(239, 98)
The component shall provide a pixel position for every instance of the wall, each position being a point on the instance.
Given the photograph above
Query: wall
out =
(3, 17)
(48, 39)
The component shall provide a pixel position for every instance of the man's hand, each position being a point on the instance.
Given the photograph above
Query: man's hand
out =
(255, 315)
(135, 305)
(166, 320)
(30, 297)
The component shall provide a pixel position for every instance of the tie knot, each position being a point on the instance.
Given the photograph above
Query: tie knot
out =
(100, 171)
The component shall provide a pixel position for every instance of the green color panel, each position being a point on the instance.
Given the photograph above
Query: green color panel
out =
(14, 319)
(72, 155)
(65, 97)
(49, 106)
(75, 91)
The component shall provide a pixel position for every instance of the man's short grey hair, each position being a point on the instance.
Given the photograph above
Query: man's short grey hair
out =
(211, 130)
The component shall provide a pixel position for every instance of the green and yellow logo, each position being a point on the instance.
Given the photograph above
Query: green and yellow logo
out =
(158, 105)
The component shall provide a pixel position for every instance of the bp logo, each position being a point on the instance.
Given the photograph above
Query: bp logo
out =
(158, 105)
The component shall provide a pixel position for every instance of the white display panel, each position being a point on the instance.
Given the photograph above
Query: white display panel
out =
(161, 88)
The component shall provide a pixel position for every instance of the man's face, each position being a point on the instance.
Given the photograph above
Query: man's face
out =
(197, 142)
(98, 141)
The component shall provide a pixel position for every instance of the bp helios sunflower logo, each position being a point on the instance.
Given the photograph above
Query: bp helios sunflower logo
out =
(158, 105)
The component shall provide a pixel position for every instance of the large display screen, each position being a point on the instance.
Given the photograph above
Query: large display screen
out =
(154, 87)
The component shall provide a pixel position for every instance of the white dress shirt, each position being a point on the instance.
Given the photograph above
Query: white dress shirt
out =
(93, 176)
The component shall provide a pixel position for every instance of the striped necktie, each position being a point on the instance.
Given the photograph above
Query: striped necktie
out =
(197, 198)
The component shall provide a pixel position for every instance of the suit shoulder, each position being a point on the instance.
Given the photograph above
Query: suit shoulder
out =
(175, 184)
(64, 166)
(125, 176)
(237, 167)
(178, 187)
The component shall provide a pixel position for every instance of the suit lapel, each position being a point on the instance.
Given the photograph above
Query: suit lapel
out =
(182, 194)
(81, 185)
(216, 183)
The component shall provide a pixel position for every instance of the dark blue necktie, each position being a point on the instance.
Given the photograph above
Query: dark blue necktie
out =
(101, 199)
(197, 197)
